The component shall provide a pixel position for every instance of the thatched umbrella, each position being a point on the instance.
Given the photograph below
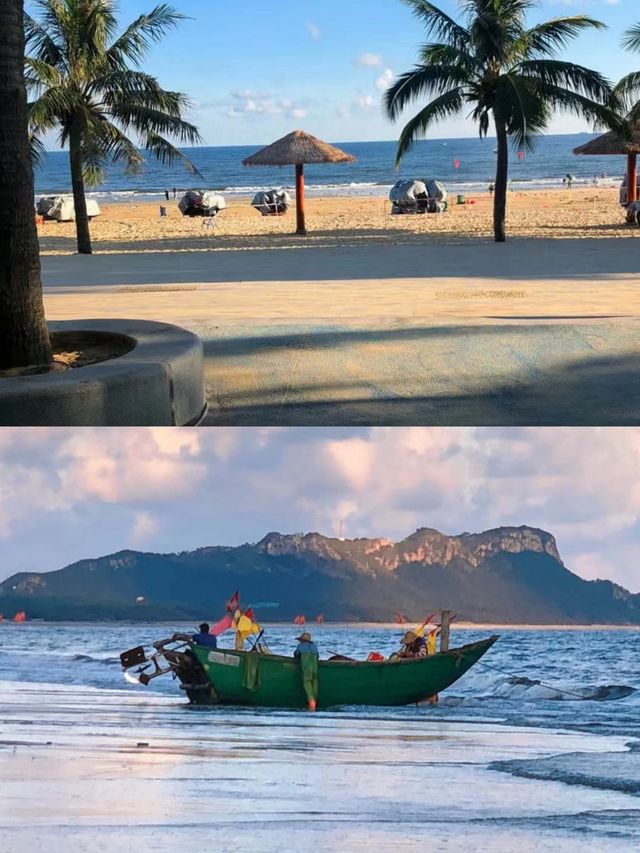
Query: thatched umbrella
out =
(296, 149)
(609, 144)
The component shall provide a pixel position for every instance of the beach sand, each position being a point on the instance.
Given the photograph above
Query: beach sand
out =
(137, 226)
(86, 770)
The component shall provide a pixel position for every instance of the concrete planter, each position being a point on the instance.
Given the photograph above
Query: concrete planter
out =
(157, 382)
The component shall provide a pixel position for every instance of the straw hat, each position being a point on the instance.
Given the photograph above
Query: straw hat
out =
(409, 637)
(304, 638)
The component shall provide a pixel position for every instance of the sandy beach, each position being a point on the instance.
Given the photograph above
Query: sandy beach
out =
(348, 220)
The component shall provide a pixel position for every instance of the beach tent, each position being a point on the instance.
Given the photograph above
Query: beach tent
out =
(612, 144)
(296, 149)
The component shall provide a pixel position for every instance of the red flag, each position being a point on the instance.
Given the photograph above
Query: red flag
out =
(223, 625)
(249, 614)
(233, 602)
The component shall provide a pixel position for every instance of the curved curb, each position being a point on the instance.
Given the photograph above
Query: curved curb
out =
(157, 383)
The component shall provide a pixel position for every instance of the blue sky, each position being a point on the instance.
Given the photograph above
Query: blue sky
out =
(68, 494)
(259, 69)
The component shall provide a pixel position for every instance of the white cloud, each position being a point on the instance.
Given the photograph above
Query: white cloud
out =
(368, 60)
(260, 104)
(367, 102)
(144, 529)
(314, 31)
(385, 80)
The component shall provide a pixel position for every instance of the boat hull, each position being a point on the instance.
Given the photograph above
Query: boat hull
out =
(248, 678)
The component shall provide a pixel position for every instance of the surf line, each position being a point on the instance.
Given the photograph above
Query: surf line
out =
(540, 683)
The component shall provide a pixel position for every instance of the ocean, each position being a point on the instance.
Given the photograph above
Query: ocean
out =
(463, 165)
(536, 749)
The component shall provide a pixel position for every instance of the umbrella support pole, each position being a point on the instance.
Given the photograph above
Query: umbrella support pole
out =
(632, 178)
(300, 221)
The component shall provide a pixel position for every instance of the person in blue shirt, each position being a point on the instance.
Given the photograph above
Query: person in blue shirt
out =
(204, 638)
(307, 655)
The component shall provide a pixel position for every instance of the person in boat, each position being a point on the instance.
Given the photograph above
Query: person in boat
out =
(306, 654)
(204, 638)
(413, 646)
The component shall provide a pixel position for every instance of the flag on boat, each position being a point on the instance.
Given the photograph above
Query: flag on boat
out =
(245, 626)
(223, 625)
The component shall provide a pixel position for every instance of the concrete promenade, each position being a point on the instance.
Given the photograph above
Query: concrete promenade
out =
(453, 332)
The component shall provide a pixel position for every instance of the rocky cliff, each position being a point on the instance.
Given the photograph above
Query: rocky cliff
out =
(509, 574)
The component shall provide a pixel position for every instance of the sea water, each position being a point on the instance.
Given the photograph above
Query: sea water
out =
(536, 746)
(464, 165)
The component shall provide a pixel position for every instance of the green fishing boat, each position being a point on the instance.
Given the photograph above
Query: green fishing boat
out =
(230, 677)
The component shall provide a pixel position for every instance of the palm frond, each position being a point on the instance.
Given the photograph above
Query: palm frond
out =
(167, 154)
(600, 115)
(145, 120)
(628, 89)
(551, 36)
(37, 151)
(527, 114)
(116, 146)
(140, 35)
(567, 74)
(446, 54)
(40, 74)
(631, 38)
(51, 109)
(40, 43)
(446, 105)
(438, 23)
(422, 81)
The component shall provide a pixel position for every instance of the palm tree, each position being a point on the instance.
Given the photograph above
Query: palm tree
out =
(85, 81)
(24, 339)
(629, 87)
(505, 72)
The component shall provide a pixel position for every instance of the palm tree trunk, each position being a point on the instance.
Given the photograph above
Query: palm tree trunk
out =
(83, 237)
(24, 339)
(502, 175)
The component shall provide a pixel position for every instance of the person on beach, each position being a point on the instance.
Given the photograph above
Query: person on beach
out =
(568, 180)
(174, 192)
(166, 194)
(204, 638)
(491, 189)
(307, 655)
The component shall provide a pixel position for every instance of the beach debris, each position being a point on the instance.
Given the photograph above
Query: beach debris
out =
(272, 202)
(201, 203)
(141, 744)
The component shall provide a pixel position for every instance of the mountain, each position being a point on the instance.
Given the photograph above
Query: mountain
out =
(510, 574)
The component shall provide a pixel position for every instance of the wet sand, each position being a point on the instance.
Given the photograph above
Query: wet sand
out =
(337, 221)
(110, 770)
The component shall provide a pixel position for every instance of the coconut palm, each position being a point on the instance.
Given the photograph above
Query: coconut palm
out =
(24, 339)
(85, 80)
(629, 87)
(504, 72)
